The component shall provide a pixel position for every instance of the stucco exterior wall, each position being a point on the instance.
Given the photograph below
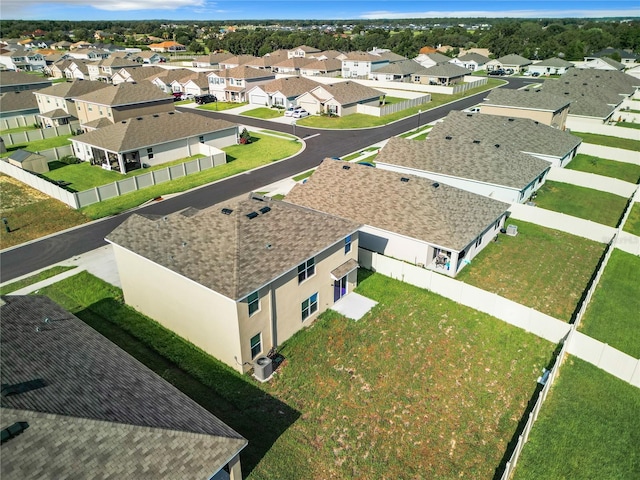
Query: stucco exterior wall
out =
(541, 116)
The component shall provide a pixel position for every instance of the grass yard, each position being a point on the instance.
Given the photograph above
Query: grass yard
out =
(609, 168)
(588, 428)
(220, 106)
(632, 225)
(304, 175)
(542, 268)
(25, 282)
(18, 129)
(608, 141)
(613, 314)
(263, 149)
(628, 124)
(600, 207)
(264, 113)
(39, 145)
(419, 388)
(32, 214)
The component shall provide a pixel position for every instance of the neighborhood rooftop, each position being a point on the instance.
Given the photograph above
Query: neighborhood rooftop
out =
(529, 98)
(251, 241)
(126, 93)
(431, 212)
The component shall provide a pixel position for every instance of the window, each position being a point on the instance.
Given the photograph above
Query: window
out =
(150, 153)
(306, 269)
(256, 345)
(347, 244)
(254, 303)
(309, 306)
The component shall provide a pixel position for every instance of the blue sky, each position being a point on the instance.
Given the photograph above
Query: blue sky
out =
(307, 9)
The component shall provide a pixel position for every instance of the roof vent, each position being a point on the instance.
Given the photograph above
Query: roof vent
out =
(8, 389)
(264, 210)
(155, 115)
(476, 141)
(138, 118)
(346, 167)
(171, 113)
(227, 211)
(536, 122)
(512, 119)
(497, 145)
(404, 179)
(448, 137)
(251, 215)
(124, 121)
(435, 185)
(13, 431)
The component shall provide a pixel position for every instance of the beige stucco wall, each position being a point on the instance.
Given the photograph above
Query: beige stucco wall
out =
(88, 112)
(201, 316)
(544, 117)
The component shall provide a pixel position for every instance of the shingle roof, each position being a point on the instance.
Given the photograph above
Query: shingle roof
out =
(126, 93)
(237, 60)
(293, 62)
(364, 57)
(445, 216)
(553, 62)
(73, 89)
(445, 70)
(56, 113)
(102, 410)
(244, 253)
(348, 92)
(140, 73)
(9, 77)
(245, 72)
(523, 134)
(149, 130)
(459, 156)
(404, 67)
(607, 52)
(263, 62)
(289, 86)
(614, 63)
(22, 155)
(535, 99)
(329, 65)
(474, 57)
(16, 101)
(437, 57)
(514, 59)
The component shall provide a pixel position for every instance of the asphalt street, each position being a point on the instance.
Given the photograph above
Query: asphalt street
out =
(320, 144)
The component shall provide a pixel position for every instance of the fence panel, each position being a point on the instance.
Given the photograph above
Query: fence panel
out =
(127, 185)
(207, 162)
(87, 197)
(192, 167)
(107, 191)
(176, 171)
(148, 179)
(160, 176)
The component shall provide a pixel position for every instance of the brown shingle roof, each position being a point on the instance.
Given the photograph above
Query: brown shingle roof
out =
(73, 89)
(126, 93)
(445, 216)
(289, 86)
(348, 92)
(16, 101)
(329, 65)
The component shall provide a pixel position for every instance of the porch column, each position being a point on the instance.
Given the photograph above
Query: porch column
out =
(235, 470)
(120, 162)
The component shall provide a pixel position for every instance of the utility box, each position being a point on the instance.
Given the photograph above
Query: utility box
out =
(263, 368)
(512, 230)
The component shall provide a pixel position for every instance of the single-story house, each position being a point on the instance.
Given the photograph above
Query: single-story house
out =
(396, 72)
(533, 103)
(166, 80)
(90, 54)
(57, 102)
(155, 139)
(550, 66)
(404, 216)
(290, 66)
(340, 99)
(443, 74)
(427, 60)
(29, 161)
(15, 104)
(330, 67)
(602, 63)
(558, 147)
(281, 92)
(471, 61)
(515, 62)
(74, 403)
(238, 278)
(137, 74)
(168, 46)
(489, 169)
(235, 61)
(148, 57)
(627, 57)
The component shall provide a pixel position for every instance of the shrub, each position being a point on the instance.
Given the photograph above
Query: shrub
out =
(69, 159)
(245, 137)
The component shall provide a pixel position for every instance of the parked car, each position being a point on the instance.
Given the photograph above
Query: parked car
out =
(291, 110)
(535, 74)
(498, 72)
(300, 113)
(206, 98)
(475, 109)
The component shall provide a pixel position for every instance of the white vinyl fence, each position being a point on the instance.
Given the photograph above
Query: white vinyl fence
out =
(18, 121)
(38, 134)
(394, 107)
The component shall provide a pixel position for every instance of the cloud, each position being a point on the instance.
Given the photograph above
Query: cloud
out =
(504, 14)
(109, 5)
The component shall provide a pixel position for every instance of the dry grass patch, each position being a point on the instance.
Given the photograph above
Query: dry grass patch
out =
(542, 268)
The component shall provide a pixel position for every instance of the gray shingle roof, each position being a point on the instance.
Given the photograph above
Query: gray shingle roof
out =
(150, 130)
(445, 216)
(73, 89)
(140, 73)
(514, 59)
(474, 57)
(437, 57)
(290, 86)
(126, 93)
(554, 62)
(244, 253)
(16, 101)
(98, 404)
(445, 70)
(523, 134)
(328, 65)
(348, 92)
(403, 67)
(10, 77)
(536, 99)
(294, 62)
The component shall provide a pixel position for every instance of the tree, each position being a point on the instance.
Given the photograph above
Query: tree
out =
(196, 47)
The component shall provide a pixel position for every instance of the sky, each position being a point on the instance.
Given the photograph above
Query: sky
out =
(308, 9)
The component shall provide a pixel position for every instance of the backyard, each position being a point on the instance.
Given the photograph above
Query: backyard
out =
(609, 141)
(545, 269)
(600, 207)
(418, 387)
(613, 314)
(588, 428)
(632, 225)
(628, 172)
(38, 145)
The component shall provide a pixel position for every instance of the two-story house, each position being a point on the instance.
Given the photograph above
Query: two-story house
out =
(361, 64)
(56, 103)
(238, 278)
(104, 69)
(23, 60)
(232, 84)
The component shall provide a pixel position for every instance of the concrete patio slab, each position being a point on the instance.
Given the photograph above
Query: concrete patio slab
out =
(354, 306)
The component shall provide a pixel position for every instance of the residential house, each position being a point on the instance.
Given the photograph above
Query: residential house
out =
(404, 216)
(81, 45)
(232, 84)
(340, 99)
(263, 63)
(155, 139)
(443, 74)
(22, 60)
(533, 103)
(212, 60)
(361, 64)
(291, 66)
(515, 62)
(77, 70)
(331, 67)
(62, 45)
(57, 69)
(627, 57)
(17, 104)
(56, 103)
(148, 57)
(120, 102)
(137, 74)
(427, 60)
(602, 63)
(328, 55)
(556, 146)
(281, 92)
(427, 50)
(91, 54)
(492, 170)
(550, 66)
(12, 81)
(238, 278)
(51, 59)
(396, 72)
(103, 70)
(170, 81)
(198, 85)
(66, 385)
(480, 51)
(167, 47)
(471, 61)
(235, 61)
(302, 51)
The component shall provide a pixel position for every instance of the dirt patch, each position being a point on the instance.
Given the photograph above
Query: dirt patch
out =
(16, 194)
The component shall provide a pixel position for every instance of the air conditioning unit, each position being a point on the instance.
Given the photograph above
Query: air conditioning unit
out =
(263, 368)
(512, 230)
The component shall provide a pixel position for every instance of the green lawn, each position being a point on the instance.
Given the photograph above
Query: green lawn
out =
(632, 225)
(588, 428)
(613, 314)
(219, 106)
(263, 150)
(421, 387)
(25, 282)
(608, 141)
(18, 129)
(39, 145)
(609, 168)
(600, 207)
(304, 175)
(264, 113)
(628, 124)
(542, 268)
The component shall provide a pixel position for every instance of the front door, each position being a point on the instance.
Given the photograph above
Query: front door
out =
(339, 288)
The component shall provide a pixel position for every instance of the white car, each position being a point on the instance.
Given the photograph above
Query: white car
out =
(291, 110)
(300, 113)
(475, 109)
